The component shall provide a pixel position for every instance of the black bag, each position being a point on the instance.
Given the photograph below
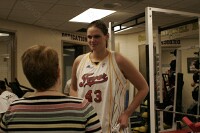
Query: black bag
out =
(195, 93)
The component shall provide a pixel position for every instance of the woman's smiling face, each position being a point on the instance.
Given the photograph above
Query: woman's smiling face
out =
(96, 39)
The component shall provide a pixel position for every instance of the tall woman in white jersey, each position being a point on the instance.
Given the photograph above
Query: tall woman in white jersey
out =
(101, 77)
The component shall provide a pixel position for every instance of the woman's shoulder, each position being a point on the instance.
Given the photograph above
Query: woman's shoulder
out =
(118, 57)
(82, 102)
(80, 57)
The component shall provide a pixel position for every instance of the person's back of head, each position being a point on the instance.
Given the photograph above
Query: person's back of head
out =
(2, 86)
(41, 67)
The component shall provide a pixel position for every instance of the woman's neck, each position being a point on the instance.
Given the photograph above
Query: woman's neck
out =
(97, 56)
(50, 92)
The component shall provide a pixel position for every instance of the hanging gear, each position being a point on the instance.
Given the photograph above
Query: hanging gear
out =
(195, 93)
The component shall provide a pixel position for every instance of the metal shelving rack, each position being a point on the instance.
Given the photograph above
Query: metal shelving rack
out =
(149, 35)
(155, 75)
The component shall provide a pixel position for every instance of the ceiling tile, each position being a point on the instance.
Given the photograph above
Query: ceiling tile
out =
(71, 27)
(79, 3)
(163, 3)
(34, 7)
(118, 17)
(188, 6)
(43, 1)
(57, 13)
(56, 17)
(117, 5)
(4, 13)
(7, 4)
(48, 23)
(24, 14)
(23, 20)
(62, 9)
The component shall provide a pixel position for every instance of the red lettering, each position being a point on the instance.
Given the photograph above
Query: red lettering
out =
(90, 80)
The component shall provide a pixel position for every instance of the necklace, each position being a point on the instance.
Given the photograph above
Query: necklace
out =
(96, 62)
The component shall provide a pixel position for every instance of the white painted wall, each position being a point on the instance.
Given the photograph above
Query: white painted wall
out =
(28, 35)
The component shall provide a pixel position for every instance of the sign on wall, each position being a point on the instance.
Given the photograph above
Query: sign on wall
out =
(74, 37)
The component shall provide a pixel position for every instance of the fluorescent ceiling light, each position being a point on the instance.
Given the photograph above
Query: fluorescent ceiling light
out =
(91, 14)
(4, 34)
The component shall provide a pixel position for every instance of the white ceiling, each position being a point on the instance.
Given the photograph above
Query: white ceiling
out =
(56, 14)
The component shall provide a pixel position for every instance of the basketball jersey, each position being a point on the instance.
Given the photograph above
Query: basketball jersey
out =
(104, 86)
(6, 99)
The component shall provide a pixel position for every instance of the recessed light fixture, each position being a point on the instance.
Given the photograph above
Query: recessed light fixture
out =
(91, 14)
(112, 5)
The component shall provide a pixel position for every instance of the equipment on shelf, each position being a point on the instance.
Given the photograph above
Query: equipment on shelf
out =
(193, 109)
(195, 127)
(16, 88)
(196, 75)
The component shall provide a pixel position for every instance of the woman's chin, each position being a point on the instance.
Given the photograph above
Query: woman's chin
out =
(93, 48)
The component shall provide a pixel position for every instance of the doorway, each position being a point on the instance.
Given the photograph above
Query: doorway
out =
(70, 52)
(7, 56)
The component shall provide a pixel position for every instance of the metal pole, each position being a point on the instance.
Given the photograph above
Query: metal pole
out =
(149, 41)
(159, 77)
(198, 104)
(111, 41)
